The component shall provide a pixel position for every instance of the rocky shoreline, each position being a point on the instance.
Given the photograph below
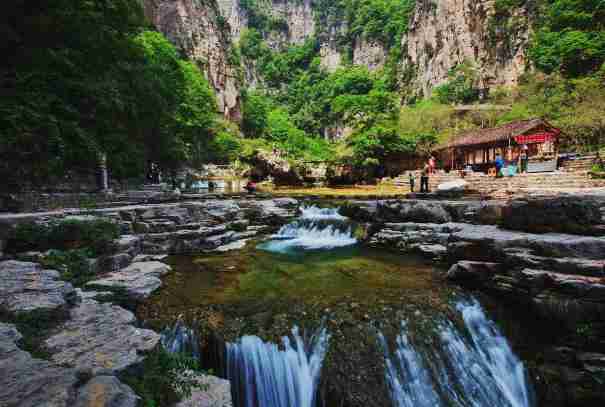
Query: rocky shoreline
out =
(553, 265)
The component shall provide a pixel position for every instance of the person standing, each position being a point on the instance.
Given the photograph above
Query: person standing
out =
(424, 178)
(412, 180)
(432, 164)
(523, 159)
(499, 162)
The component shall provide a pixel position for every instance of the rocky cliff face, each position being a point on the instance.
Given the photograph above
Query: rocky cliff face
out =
(195, 28)
(442, 34)
(445, 33)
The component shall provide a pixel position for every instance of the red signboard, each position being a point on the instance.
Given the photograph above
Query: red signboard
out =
(535, 138)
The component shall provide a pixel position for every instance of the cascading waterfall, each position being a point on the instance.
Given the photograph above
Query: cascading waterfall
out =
(316, 228)
(181, 339)
(407, 376)
(263, 375)
(474, 366)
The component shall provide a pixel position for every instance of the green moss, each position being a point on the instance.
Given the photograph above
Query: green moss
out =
(97, 235)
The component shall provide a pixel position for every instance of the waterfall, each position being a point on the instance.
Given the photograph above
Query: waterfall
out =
(408, 379)
(263, 375)
(316, 213)
(317, 228)
(468, 366)
(181, 339)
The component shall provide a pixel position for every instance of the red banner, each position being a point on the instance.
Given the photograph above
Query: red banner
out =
(535, 138)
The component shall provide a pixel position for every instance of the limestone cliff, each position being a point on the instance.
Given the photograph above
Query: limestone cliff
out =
(445, 33)
(441, 35)
(198, 29)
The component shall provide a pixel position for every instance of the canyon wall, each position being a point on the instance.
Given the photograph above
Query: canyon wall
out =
(199, 31)
(441, 35)
(445, 33)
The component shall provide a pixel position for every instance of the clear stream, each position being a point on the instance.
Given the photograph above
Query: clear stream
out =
(439, 345)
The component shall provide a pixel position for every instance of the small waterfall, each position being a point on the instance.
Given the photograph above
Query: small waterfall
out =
(317, 228)
(263, 375)
(485, 367)
(181, 339)
(407, 376)
(469, 366)
(316, 213)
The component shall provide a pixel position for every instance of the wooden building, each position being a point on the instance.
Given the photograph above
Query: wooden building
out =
(478, 148)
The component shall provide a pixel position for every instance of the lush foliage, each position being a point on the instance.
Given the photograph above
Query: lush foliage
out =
(571, 37)
(460, 87)
(82, 78)
(167, 378)
(74, 265)
(383, 20)
(96, 235)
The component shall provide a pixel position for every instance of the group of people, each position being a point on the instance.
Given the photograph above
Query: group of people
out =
(427, 170)
(523, 159)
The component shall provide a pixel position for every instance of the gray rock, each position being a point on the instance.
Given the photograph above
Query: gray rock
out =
(100, 338)
(106, 391)
(413, 211)
(524, 258)
(137, 281)
(472, 271)
(29, 382)
(27, 287)
(216, 393)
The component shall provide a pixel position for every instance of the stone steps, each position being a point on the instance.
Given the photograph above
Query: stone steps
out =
(483, 183)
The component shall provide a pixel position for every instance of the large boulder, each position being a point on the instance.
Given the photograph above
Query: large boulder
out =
(100, 339)
(27, 287)
(561, 214)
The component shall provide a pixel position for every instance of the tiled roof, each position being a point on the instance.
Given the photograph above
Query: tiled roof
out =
(487, 136)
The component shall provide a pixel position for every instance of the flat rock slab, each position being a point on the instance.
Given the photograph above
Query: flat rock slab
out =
(100, 338)
(29, 382)
(27, 287)
(138, 280)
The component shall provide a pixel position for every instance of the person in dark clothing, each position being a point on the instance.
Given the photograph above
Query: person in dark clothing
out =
(412, 181)
(250, 187)
(424, 179)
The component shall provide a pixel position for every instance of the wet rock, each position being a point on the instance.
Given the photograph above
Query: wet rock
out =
(101, 339)
(137, 281)
(27, 287)
(29, 382)
(106, 391)
(472, 271)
